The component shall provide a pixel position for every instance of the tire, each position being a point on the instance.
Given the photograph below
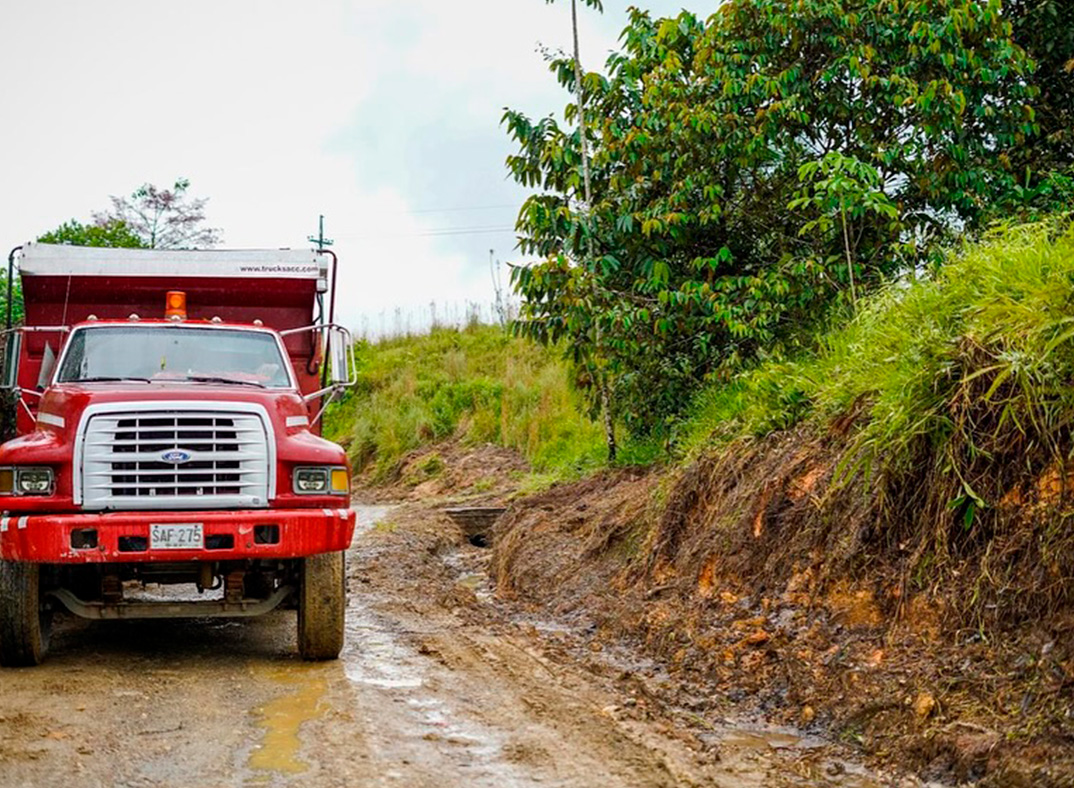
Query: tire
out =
(24, 626)
(322, 604)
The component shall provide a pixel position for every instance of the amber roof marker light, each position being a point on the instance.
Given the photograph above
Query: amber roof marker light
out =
(175, 305)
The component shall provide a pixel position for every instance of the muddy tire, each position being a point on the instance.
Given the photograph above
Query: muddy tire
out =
(322, 603)
(24, 626)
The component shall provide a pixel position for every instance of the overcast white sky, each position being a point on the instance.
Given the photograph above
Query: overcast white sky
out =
(381, 114)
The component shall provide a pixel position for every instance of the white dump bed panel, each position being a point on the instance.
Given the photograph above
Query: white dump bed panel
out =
(58, 260)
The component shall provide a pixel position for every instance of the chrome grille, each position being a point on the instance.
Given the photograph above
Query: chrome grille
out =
(129, 460)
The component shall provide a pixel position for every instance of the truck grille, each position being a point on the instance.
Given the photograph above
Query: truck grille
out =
(165, 459)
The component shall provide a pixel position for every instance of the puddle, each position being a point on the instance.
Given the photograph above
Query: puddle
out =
(282, 718)
(773, 739)
(373, 657)
(377, 661)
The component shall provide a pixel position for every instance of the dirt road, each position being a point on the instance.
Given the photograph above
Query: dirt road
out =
(433, 690)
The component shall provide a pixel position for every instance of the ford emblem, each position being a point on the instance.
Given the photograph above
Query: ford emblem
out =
(176, 456)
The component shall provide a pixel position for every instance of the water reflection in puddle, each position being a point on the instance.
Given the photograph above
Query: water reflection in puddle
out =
(282, 718)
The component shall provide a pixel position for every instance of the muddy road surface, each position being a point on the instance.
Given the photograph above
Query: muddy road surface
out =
(435, 688)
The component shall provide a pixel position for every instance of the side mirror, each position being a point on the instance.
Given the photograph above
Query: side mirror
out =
(10, 348)
(339, 356)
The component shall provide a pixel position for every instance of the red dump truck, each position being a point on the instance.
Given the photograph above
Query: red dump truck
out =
(168, 433)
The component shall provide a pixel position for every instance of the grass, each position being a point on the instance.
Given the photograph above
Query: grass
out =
(940, 416)
(991, 330)
(475, 385)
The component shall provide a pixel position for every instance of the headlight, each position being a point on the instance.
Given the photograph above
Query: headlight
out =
(320, 480)
(26, 481)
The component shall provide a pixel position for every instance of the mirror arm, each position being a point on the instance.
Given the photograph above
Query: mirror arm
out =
(324, 406)
(321, 392)
(29, 412)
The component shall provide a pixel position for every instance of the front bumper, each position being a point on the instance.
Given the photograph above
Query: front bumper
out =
(123, 537)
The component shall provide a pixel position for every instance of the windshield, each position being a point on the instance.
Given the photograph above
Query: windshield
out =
(174, 354)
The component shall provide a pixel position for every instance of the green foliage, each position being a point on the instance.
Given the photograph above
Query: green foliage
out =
(17, 308)
(477, 385)
(750, 168)
(1045, 29)
(112, 233)
(989, 333)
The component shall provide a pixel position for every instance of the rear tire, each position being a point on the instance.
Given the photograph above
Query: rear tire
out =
(24, 626)
(322, 603)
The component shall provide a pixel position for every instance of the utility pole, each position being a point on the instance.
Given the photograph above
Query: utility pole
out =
(326, 336)
(602, 373)
(319, 239)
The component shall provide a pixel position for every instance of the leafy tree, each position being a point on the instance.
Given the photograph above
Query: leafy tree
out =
(110, 232)
(1045, 29)
(1045, 163)
(748, 168)
(843, 190)
(163, 218)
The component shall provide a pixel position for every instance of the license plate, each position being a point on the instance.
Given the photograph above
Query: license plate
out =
(176, 536)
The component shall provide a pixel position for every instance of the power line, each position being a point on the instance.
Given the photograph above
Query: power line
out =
(468, 230)
(451, 209)
(436, 232)
(467, 208)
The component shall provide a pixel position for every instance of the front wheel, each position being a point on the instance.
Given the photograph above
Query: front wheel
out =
(322, 603)
(24, 625)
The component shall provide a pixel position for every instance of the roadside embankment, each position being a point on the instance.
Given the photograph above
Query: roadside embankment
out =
(760, 624)
(870, 539)
(874, 538)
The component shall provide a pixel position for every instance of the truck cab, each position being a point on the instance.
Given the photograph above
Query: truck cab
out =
(168, 435)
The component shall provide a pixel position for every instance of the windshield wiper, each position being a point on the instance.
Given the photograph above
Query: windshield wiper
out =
(213, 379)
(107, 379)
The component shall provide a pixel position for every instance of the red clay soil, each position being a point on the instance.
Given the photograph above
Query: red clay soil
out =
(753, 594)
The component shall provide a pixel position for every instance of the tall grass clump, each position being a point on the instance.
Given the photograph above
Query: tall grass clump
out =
(1000, 312)
(475, 385)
